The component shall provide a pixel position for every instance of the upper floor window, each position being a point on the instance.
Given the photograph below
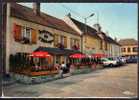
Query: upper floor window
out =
(60, 40)
(123, 49)
(135, 49)
(106, 46)
(56, 39)
(101, 44)
(24, 34)
(74, 43)
(128, 49)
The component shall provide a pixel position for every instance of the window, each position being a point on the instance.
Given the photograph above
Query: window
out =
(74, 42)
(56, 40)
(24, 34)
(128, 50)
(101, 44)
(71, 42)
(106, 46)
(63, 40)
(135, 49)
(123, 49)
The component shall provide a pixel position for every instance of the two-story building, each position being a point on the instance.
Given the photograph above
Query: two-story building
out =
(91, 42)
(28, 30)
(129, 47)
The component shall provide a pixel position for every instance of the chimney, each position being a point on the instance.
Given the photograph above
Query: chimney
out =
(115, 39)
(97, 27)
(69, 15)
(36, 8)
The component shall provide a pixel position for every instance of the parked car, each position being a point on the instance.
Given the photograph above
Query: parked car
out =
(123, 60)
(117, 59)
(132, 60)
(108, 62)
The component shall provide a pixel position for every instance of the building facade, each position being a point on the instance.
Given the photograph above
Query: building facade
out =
(129, 47)
(91, 42)
(28, 29)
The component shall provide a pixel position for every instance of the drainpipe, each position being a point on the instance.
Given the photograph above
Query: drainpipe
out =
(7, 38)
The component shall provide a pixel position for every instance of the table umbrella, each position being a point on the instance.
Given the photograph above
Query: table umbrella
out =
(40, 54)
(77, 55)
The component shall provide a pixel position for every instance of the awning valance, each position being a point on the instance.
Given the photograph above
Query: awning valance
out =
(57, 51)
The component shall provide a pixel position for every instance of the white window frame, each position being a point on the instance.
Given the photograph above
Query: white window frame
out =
(24, 32)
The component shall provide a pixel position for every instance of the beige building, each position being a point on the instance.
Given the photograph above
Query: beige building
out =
(94, 41)
(129, 47)
(91, 42)
(29, 29)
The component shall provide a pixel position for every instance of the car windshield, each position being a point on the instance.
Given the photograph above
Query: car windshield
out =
(104, 59)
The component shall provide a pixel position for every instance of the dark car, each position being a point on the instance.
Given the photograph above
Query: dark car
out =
(132, 60)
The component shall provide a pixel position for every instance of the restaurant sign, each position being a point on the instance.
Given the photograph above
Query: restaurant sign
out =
(45, 36)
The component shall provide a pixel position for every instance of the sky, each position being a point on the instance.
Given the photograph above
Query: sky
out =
(116, 19)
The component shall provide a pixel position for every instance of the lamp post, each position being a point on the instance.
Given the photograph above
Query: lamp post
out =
(85, 29)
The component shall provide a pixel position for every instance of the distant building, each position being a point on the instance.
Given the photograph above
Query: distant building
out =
(129, 47)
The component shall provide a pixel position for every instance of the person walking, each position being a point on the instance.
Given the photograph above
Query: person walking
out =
(62, 69)
(68, 65)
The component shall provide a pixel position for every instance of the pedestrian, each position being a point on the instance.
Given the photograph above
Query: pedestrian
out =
(62, 69)
(68, 66)
(57, 66)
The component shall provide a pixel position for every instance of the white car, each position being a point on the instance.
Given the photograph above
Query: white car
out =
(107, 62)
(123, 60)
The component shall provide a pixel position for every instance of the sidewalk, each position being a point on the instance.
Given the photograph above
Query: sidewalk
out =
(7, 80)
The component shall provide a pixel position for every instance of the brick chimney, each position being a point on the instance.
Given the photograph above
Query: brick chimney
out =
(115, 39)
(36, 8)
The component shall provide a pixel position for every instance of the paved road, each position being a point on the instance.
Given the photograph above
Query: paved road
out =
(108, 82)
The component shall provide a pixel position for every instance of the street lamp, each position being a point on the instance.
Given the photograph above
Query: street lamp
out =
(85, 21)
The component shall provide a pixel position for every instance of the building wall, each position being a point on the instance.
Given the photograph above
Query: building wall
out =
(13, 47)
(129, 53)
(115, 50)
(18, 47)
(91, 45)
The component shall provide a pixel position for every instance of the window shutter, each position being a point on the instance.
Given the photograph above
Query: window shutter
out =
(33, 36)
(17, 32)
(65, 42)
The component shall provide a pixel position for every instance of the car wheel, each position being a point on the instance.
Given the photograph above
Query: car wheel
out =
(111, 65)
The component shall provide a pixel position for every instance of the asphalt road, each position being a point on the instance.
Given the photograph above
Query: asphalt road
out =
(107, 82)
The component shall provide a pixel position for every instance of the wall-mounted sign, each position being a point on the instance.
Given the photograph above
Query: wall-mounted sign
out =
(45, 36)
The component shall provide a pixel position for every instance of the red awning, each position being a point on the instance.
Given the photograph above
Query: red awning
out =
(98, 55)
(77, 55)
(40, 54)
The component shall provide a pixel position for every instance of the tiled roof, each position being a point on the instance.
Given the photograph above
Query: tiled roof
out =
(90, 31)
(112, 41)
(27, 14)
(109, 39)
(128, 42)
